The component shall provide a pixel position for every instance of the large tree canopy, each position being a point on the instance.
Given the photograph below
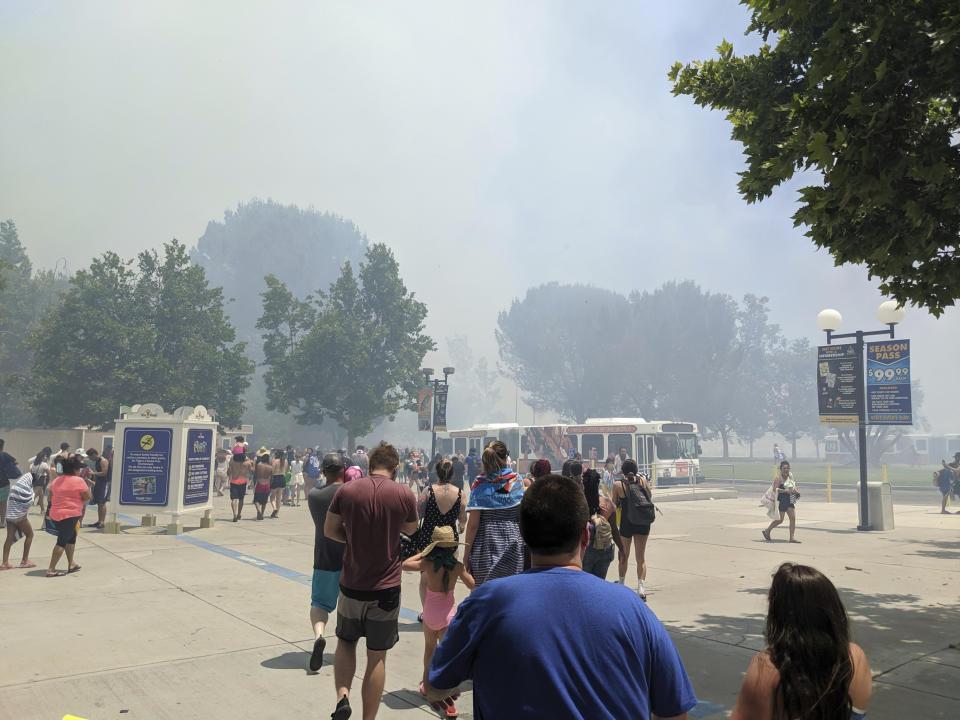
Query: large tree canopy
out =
(559, 344)
(153, 331)
(868, 94)
(352, 354)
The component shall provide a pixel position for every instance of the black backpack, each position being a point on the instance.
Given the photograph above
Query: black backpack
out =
(640, 508)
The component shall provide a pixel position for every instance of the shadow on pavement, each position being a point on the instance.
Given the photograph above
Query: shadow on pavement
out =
(293, 661)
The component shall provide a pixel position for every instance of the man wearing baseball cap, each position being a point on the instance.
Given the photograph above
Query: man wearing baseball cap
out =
(327, 555)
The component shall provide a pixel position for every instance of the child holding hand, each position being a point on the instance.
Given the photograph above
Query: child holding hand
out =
(440, 565)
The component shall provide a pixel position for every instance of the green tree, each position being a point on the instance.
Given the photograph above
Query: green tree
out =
(24, 297)
(682, 358)
(146, 331)
(474, 391)
(353, 354)
(307, 248)
(551, 345)
(794, 391)
(867, 94)
(759, 342)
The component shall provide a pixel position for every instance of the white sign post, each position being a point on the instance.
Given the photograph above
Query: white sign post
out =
(163, 463)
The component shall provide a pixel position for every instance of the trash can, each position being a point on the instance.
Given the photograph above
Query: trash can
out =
(879, 505)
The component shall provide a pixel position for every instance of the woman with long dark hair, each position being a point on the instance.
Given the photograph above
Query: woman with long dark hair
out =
(41, 477)
(810, 669)
(604, 533)
(494, 547)
(785, 488)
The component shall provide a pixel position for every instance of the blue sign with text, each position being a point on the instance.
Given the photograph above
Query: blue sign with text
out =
(145, 466)
(196, 486)
(888, 383)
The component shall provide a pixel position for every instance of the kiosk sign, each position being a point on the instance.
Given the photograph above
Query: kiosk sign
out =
(196, 486)
(888, 383)
(145, 466)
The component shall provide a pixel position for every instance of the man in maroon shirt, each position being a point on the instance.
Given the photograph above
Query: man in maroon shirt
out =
(368, 514)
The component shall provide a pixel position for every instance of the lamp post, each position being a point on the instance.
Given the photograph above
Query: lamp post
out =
(889, 313)
(439, 403)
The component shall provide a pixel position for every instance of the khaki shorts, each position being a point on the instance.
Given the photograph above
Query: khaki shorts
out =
(372, 614)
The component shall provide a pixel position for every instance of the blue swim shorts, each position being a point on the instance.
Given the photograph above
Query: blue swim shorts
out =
(326, 589)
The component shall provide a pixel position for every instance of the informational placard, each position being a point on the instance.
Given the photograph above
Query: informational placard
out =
(837, 396)
(888, 383)
(145, 466)
(423, 409)
(196, 486)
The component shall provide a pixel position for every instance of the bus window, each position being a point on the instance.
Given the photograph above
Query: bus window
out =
(617, 441)
(641, 456)
(474, 443)
(592, 447)
(570, 446)
(650, 455)
(511, 438)
(460, 445)
(445, 446)
(489, 439)
(676, 447)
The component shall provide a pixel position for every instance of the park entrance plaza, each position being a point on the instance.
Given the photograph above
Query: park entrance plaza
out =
(214, 623)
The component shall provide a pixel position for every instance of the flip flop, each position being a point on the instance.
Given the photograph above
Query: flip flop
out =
(74, 569)
(27, 565)
(6, 567)
(56, 573)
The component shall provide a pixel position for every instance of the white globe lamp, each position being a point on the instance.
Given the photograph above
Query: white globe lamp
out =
(829, 319)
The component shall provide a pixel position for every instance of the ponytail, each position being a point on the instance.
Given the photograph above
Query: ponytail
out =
(444, 470)
(494, 458)
(630, 470)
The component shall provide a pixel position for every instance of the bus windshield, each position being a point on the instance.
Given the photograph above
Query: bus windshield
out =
(673, 446)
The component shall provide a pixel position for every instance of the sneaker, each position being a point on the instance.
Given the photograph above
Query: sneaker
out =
(316, 657)
(766, 535)
(342, 711)
(641, 590)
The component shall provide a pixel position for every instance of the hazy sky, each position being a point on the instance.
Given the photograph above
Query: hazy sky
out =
(493, 146)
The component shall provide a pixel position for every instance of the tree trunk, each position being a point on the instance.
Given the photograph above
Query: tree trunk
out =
(816, 444)
(725, 436)
(793, 448)
(751, 448)
(351, 442)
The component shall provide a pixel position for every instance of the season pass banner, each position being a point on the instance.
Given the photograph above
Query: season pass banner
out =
(196, 486)
(888, 383)
(145, 469)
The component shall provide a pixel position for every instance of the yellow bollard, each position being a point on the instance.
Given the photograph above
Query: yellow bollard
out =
(653, 475)
(828, 482)
(883, 469)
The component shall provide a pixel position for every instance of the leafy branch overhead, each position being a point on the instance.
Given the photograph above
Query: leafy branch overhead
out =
(352, 354)
(868, 95)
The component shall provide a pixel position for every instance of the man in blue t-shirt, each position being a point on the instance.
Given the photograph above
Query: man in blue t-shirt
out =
(587, 648)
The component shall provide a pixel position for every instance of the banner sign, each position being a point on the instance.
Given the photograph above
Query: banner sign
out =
(145, 466)
(888, 383)
(423, 409)
(440, 410)
(196, 486)
(838, 399)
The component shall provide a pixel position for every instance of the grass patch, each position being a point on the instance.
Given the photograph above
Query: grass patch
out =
(812, 471)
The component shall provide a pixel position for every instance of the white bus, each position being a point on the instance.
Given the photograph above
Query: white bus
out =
(669, 449)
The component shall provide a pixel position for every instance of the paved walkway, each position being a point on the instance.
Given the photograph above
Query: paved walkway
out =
(213, 623)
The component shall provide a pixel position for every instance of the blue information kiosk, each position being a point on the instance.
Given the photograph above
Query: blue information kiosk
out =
(163, 464)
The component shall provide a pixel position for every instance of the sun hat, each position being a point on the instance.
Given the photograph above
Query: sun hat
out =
(442, 537)
(262, 451)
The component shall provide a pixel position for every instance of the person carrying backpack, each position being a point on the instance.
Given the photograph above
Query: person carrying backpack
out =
(604, 534)
(634, 495)
(311, 466)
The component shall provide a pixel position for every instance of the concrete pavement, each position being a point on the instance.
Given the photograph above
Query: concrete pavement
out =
(214, 623)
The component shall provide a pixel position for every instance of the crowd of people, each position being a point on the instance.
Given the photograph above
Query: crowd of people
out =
(526, 539)
(533, 551)
(61, 485)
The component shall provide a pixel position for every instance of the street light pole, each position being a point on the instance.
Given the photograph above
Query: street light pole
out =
(829, 321)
